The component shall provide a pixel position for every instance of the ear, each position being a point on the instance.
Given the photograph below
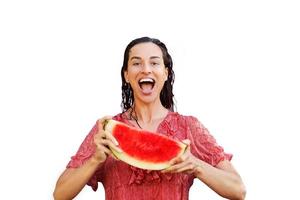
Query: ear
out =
(166, 73)
(126, 76)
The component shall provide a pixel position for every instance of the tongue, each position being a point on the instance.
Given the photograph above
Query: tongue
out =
(146, 88)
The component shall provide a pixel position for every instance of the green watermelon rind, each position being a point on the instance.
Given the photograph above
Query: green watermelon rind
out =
(109, 126)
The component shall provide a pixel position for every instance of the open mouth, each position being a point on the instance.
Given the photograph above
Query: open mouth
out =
(146, 84)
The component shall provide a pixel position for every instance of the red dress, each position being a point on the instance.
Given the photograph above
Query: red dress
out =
(124, 182)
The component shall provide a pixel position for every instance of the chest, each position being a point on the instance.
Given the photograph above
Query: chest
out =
(149, 126)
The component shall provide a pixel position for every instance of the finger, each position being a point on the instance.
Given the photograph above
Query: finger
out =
(109, 143)
(100, 139)
(103, 149)
(174, 168)
(99, 135)
(100, 122)
(111, 137)
(97, 140)
(176, 160)
(180, 158)
(184, 156)
(179, 162)
(102, 134)
(187, 142)
(190, 168)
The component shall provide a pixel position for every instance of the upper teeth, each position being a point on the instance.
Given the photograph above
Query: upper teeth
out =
(146, 80)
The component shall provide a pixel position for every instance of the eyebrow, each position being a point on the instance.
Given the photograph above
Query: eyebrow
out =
(154, 57)
(136, 57)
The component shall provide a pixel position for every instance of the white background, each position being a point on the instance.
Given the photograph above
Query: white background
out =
(236, 66)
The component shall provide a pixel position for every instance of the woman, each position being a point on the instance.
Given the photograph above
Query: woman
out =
(147, 103)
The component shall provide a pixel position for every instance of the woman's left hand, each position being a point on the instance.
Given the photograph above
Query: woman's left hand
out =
(223, 178)
(186, 163)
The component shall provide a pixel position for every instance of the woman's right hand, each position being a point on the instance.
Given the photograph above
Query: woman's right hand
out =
(104, 142)
(72, 180)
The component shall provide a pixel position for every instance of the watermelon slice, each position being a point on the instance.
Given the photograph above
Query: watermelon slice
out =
(143, 149)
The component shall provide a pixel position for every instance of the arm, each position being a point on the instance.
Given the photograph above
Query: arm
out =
(223, 178)
(72, 180)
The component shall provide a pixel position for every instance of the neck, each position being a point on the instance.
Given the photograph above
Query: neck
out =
(150, 112)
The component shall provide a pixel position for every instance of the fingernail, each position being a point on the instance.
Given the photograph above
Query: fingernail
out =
(120, 150)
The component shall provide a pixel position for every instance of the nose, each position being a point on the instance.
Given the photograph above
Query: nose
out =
(146, 68)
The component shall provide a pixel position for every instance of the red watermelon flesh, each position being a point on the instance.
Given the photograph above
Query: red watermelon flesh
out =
(144, 149)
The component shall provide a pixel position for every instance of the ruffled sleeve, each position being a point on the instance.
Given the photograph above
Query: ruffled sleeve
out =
(85, 151)
(203, 144)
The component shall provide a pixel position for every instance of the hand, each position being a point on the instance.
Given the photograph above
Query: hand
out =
(104, 141)
(186, 163)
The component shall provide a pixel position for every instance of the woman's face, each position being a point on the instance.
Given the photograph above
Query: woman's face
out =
(146, 72)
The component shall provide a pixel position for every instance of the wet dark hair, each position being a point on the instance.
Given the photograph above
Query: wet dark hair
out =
(166, 94)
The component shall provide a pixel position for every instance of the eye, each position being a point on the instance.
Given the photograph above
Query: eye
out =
(155, 63)
(136, 64)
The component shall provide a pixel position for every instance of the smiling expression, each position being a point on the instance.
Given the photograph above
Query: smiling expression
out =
(146, 72)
